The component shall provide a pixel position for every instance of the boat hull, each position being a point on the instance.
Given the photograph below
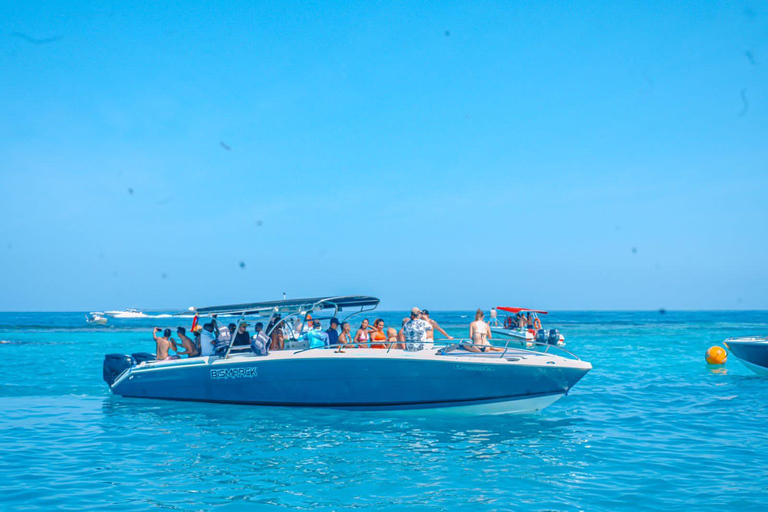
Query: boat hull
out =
(362, 379)
(753, 354)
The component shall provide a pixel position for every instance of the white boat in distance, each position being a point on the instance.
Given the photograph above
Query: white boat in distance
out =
(440, 376)
(96, 317)
(126, 313)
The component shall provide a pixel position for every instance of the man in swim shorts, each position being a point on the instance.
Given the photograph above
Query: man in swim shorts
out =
(164, 343)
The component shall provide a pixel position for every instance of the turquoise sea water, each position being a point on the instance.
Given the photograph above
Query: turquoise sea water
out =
(651, 427)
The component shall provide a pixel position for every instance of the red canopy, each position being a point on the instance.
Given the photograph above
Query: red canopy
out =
(518, 310)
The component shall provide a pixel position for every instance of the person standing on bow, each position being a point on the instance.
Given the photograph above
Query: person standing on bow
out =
(415, 332)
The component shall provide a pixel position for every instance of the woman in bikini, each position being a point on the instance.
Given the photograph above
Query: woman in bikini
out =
(377, 335)
(480, 332)
(362, 336)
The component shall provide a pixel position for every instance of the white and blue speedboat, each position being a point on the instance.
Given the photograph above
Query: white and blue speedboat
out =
(752, 351)
(441, 377)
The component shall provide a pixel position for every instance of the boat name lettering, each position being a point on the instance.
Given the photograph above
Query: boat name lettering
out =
(474, 368)
(234, 373)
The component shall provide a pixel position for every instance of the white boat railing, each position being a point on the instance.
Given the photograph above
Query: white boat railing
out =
(748, 338)
(447, 343)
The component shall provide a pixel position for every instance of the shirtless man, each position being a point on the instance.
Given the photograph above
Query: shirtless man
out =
(190, 349)
(435, 325)
(164, 344)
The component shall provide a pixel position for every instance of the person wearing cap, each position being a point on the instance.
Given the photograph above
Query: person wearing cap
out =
(435, 326)
(316, 336)
(242, 338)
(190, 349)
(415, 332)
(333, 332)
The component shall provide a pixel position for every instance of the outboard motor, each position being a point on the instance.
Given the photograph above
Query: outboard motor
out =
(554, 336)
(542, 336)
(114, 365)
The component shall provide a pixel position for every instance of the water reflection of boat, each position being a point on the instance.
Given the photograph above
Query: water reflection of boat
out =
(752, 351)
(126, 313)
(96, 317)
(448, 377)
(526, 331)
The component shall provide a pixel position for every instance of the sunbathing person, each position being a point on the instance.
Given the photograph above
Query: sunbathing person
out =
(480, 332)
(377, 334)
(190, 348)
(164, 343)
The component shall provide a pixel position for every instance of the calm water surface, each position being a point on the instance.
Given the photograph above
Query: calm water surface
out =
(651, 427)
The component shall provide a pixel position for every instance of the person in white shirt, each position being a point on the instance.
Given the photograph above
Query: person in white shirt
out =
(207, 340)
(415, 332)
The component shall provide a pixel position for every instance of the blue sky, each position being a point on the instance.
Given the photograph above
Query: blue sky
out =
(453, 155)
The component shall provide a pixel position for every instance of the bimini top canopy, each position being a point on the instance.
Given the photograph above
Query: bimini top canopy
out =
(518, 310)
(290, 306)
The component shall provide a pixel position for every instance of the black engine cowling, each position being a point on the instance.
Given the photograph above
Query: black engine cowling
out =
(554, 336)
(114, 365)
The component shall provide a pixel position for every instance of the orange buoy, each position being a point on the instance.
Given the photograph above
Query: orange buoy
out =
(716, 355)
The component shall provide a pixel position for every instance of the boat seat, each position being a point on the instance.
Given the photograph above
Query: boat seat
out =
(143, 357)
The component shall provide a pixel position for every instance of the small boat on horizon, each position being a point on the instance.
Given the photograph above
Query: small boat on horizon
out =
(440, 376)
(752, 351)
(96, 317)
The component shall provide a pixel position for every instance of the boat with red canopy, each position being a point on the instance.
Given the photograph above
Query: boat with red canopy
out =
(524, 325)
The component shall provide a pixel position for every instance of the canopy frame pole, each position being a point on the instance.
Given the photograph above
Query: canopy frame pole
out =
(232, 335)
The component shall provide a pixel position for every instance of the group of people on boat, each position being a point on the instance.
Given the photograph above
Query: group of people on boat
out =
(521, 320)
(416, 333)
